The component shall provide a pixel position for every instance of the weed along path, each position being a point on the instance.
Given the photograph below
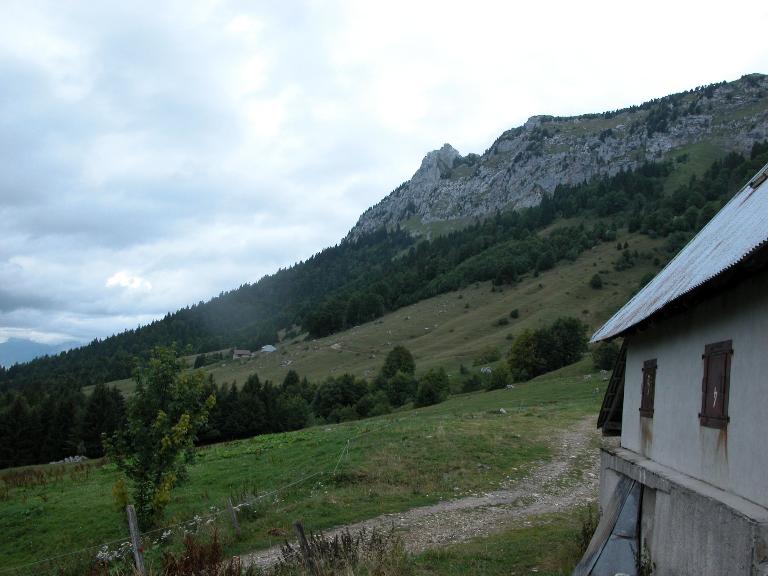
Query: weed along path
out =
(568, 480)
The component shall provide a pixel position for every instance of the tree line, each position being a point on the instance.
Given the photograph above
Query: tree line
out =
(44, 427)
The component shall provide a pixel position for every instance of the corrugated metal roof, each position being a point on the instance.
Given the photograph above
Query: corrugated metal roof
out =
(735, 232)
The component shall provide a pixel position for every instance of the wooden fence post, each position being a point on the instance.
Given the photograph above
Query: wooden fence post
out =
(133, 526)
(306, 551)
(233, 516)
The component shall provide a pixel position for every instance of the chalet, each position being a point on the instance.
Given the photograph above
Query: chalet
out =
(237, 353)
(686, 489)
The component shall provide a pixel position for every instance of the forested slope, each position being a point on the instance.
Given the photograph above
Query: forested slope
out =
(354, 282)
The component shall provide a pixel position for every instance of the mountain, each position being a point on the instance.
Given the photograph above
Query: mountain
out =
(674, 162)
(17, 350)
(529, 161)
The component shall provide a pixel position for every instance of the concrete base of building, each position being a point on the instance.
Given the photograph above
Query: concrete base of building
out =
(687, 526)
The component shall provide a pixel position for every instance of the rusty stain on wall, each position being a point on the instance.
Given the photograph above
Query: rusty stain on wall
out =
(646, 435)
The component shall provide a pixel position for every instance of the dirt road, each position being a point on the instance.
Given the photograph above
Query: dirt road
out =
(569, 479)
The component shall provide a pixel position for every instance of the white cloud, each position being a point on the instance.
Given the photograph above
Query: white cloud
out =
(34, 336)
(126, 280)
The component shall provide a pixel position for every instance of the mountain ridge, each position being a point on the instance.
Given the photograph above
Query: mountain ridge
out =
(531, 160)
(18, 350)
(389, 267)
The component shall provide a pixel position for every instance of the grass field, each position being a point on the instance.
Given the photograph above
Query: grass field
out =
(406, 459)
(547, 547)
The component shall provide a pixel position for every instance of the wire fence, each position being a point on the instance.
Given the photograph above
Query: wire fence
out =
(121, 548)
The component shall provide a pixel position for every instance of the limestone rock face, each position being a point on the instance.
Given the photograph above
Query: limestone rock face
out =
(531, 160)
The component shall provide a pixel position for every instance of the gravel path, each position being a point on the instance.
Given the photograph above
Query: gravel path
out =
(570, 478)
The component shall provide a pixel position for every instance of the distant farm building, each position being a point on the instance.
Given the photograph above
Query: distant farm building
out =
(688, 485)
(268, 348)
(237, 353)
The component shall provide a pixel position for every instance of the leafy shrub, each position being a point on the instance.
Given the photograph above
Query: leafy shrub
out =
(486, 356)
(499, 378)
(472, 383)
(624, 262)
(398, 389)
(337, 393)
(538, 351)
(604, 355)
(433, 388)
(596, 282)
(399, 359)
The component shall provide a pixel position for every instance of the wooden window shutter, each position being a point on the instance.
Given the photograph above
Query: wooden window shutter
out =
(649, 388)
(715, 384)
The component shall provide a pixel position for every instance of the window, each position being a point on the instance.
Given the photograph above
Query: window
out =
(649, 388)
(715, 384)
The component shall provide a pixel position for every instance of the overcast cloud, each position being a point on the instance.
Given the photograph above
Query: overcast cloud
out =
(153, 154)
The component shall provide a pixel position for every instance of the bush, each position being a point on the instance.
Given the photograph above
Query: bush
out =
(399, 389)
(486, 356)
(515, 313)
(472, 383)
(346, 414)
(596, 282)
(433, 388)
(535, 352)
(525, 357)
(604, 355)
(499, 378)
(399, 359)
(337, 393)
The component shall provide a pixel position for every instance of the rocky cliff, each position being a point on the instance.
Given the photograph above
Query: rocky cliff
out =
(531, 160)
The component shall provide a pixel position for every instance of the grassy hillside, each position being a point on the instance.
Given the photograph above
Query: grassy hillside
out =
(393, 463)
(454, 328)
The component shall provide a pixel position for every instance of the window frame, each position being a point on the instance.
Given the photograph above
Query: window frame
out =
(647, 397)
(707, 417)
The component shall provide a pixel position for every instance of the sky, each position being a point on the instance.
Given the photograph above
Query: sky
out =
(155, 154)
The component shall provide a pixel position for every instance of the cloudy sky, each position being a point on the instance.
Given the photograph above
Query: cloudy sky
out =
(153, 154)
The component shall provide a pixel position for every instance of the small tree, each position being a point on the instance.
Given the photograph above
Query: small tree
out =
(400, 388)
(499, 378)
(525, 359)
(337, 393)
(399, 359)
(164, 415)
(433, 388)
(536, 352)
(596, 282)
(104, 414)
